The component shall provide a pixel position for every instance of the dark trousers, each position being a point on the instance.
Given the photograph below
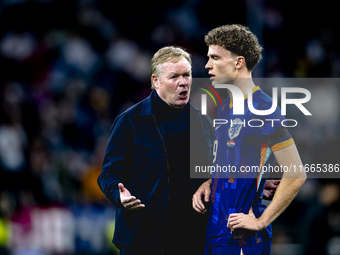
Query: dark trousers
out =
(139, 252)
(178, 251)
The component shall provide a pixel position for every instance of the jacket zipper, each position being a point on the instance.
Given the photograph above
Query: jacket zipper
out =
(168, 170)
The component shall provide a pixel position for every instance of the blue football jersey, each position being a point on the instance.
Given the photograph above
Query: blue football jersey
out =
(242, 151)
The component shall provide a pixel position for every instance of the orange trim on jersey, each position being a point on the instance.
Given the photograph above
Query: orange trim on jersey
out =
(253, 91)
(242, 252)
(264, 148)
(282, 145)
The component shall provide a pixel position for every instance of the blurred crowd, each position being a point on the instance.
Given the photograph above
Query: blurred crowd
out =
(69, 67)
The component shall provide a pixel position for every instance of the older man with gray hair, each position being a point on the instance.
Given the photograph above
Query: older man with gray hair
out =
(146, 169)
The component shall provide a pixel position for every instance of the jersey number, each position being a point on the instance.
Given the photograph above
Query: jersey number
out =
(215, 151)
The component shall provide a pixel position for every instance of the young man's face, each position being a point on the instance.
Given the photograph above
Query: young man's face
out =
(221, 65)
(174, 83)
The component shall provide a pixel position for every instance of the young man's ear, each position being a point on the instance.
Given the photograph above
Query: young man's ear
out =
(240, 62)
(155, 81)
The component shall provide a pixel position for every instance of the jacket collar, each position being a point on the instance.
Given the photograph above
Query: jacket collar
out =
(147, 106)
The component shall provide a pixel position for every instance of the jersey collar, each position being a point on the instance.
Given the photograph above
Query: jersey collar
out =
(252, 92)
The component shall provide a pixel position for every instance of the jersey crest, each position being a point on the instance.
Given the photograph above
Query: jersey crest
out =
(235, 128)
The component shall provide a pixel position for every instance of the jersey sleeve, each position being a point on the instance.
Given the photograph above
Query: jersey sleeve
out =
(279, 139)
(273, 132)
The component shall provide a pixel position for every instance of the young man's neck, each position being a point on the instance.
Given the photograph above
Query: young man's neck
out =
(244, 82)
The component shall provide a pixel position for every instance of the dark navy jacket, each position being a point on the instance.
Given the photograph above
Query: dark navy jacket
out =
(137, 156)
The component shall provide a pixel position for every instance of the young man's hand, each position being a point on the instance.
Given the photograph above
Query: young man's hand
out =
(203, 190)
(245, 221)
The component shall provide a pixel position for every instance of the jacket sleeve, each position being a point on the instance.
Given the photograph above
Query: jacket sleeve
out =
(117, 160)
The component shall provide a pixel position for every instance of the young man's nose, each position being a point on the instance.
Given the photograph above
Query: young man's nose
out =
(208, 65)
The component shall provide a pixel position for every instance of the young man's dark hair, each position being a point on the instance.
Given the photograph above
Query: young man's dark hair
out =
(239, 40)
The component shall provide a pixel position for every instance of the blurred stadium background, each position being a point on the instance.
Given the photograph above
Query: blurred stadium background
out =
(69, 67)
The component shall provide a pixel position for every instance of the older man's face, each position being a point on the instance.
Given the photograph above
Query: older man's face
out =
(174, 83)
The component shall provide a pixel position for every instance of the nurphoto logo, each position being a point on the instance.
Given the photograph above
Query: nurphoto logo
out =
(238, 104)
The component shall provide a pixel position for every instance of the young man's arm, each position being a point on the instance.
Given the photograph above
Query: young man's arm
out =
(205, 190)
(290, 185)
